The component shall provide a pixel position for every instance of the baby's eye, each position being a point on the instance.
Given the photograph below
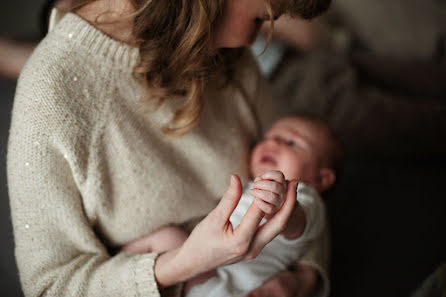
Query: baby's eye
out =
(290, 142)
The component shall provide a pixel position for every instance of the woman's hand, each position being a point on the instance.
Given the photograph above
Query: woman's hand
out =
(214, 242)
(299, 283)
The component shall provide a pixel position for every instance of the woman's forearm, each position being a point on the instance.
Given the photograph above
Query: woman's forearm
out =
(170, 269)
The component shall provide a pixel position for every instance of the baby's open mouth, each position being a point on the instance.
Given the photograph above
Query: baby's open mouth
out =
(268, 160)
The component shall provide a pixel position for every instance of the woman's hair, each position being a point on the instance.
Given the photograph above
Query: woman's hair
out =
(175, 39)
(175, 50)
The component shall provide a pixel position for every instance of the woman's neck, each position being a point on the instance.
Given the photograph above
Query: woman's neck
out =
(107, 16)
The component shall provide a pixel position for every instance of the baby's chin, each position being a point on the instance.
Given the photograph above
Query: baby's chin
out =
(260, 169)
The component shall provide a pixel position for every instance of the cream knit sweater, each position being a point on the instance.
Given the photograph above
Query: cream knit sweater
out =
(89, 169)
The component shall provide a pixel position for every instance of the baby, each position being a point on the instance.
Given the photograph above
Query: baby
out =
(295, 148)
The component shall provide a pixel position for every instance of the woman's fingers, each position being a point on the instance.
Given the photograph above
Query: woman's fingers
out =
(250, 222)
(230, 199)
(277, 223)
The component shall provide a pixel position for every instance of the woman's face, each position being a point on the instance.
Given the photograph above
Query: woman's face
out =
(240, 23)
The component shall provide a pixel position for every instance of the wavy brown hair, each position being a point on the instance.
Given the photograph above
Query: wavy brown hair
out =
(175, 47)
(176, 58)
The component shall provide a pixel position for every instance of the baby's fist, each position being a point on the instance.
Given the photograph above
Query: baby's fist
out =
(269, 191)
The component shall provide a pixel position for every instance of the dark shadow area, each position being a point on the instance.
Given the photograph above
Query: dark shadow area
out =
(9, 282)
(387, 226)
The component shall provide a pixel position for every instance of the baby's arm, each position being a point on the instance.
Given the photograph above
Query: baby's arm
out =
(296, 223)
(163, 239)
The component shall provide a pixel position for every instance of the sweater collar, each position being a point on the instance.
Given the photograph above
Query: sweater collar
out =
(94, 41)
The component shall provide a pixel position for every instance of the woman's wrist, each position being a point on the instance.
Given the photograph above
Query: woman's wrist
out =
(170, 269)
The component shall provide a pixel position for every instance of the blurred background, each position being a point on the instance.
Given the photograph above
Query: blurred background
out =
(375, 70)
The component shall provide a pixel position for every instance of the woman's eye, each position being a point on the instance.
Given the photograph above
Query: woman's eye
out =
(258, 21)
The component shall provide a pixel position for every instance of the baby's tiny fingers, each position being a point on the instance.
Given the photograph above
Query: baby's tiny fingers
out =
(267, 196)
(264, 206)
(271, 186)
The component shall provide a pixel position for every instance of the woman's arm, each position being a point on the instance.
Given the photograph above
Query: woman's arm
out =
(57, 250)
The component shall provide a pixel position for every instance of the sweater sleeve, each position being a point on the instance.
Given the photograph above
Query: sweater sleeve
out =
(57, 250)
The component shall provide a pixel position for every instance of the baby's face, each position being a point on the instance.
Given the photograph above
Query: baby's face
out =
(293, 146)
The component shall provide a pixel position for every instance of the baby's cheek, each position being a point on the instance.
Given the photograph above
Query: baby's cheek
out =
(291, 172)
(253, 161)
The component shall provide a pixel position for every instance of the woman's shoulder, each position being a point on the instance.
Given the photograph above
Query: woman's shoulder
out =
(47, 68)
(54, 90)
(49, 78)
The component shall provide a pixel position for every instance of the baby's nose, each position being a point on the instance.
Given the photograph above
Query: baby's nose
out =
(273, 142)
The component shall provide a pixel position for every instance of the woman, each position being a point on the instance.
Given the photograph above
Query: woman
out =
(121, 127)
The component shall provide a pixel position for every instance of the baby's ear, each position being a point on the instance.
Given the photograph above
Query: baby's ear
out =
(327, 178)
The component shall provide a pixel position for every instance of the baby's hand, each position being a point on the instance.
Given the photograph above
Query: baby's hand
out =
(269, 191)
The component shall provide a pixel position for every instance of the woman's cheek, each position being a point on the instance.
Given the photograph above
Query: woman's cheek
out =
(252, 35)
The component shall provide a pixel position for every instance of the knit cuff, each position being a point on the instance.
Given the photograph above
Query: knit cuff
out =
(144, 275)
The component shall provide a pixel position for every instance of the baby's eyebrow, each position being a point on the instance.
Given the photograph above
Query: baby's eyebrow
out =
(298, 138)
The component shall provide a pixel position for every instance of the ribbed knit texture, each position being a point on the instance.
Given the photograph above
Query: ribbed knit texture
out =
(89, 169)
